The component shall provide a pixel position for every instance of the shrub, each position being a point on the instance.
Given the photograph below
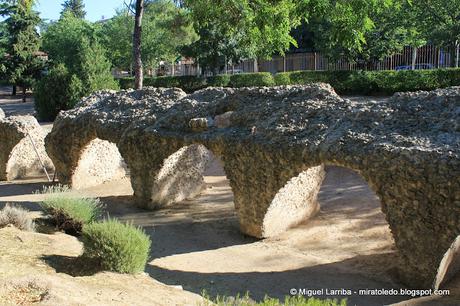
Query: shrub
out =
(252, 79)
(282, 78)
(70, 211)
(116, 246)
(344, 82)
(126, 83)
(16, 216)
(59, 90)
(375, 82)
(221, 80)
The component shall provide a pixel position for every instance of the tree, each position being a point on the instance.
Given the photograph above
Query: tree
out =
(116, 36)
(240, 29)
(75, 7)
(63, 38)
(137, 43)
(166, 28)
(94, 67)
(365, 31)
(440, 20)
(77, 60)
(21, 62)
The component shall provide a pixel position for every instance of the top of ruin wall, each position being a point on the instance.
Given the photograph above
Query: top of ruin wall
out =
(315, 116)
(308, 116)
(112, 112)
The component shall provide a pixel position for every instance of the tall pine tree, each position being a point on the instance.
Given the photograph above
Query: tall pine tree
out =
(75, 7)
(21, 61)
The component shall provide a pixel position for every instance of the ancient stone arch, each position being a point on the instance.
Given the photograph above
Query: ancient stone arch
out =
(22, 149)
(83, 142)
(407, 149)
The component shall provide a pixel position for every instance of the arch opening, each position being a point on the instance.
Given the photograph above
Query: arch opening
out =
(294, 203)
(345, 221)
(28, 159)
(99, 162)
(193, 183)
(449, 268)
(181, 175)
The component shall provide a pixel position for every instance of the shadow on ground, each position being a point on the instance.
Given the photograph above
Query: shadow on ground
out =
(74, 266)
(279, 284)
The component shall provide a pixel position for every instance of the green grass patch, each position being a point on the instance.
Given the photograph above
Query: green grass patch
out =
(116, 246)
(268, 301)
(69, 211)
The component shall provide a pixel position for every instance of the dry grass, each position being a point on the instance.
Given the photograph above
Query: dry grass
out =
(16, 216)
(23, 294)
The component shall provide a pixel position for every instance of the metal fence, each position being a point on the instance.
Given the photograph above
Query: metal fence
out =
(426, 57)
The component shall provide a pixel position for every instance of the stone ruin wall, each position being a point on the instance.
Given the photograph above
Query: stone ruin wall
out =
(18, 156)
(273, 139)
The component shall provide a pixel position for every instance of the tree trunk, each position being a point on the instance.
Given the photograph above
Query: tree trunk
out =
(457, 53)
(137, 42)
(24, 90)
(14, 90)
(414, 57)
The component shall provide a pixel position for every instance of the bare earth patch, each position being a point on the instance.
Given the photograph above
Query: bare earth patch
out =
(35, 268)
(197, 244)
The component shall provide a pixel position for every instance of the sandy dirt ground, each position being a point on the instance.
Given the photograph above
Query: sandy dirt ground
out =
(196, 244)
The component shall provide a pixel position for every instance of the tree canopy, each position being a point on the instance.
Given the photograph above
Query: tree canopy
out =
(75, 7)
(165, 29)
(20, 60)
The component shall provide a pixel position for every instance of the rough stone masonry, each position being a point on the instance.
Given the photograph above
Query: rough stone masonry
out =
(274, 143)
(18, 157)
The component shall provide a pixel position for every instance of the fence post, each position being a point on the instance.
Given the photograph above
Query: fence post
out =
(284, 63)
(315, 61)
(457, 53)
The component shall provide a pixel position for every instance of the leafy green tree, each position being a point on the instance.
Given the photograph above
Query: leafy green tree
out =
(20, 61)
(166, 28)
(382, 29)
(116, 36)
(440, 21)
(238, 29)
(78, 60)
(75, 7)
(3, 43)
(93, 67)
(63, 38)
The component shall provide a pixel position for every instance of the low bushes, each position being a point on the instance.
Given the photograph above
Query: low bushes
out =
(221, 80)
(118, 247)
(252, 79)
(114, 246)
(374, 82)
(69, 211)
(17, 217)
(344, 82)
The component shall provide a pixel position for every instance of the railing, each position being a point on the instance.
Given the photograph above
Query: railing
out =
(427, 57)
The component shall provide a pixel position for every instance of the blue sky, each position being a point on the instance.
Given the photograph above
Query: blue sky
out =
(95, 9)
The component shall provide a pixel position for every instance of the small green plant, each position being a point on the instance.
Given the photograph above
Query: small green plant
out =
(117, 246)
(268, 301)
(70, 211)
(16, 216)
